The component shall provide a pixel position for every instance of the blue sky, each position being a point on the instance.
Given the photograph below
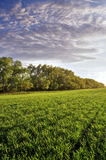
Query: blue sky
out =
(65, 33)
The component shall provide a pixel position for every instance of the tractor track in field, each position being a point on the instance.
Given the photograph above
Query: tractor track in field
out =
(84, 134)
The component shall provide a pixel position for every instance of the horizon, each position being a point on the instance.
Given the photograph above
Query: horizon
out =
(66, 33)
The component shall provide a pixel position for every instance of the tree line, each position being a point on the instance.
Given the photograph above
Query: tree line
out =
(15, 77)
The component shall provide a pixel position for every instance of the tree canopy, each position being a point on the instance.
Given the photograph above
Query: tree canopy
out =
(15, 77)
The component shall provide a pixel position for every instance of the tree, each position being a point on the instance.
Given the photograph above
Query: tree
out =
(15, 77)
(20, 79)
(5, 72)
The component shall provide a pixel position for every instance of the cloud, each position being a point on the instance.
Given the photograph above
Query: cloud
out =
(16, 8)
(67, 31)
(91, 1)
(1, 27)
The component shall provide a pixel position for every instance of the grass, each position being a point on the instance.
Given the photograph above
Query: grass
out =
(53, 125)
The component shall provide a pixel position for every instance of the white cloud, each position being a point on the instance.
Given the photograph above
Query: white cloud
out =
(62, 31)
(6, 19)
(1, 26)
(16, 8)
(22, 10)
(91, 1)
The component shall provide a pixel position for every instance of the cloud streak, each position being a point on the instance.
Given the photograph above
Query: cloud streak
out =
(66, 31)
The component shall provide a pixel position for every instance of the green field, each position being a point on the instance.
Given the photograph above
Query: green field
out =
(66, 125)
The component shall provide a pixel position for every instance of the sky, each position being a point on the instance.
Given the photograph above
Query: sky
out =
(65, 33)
